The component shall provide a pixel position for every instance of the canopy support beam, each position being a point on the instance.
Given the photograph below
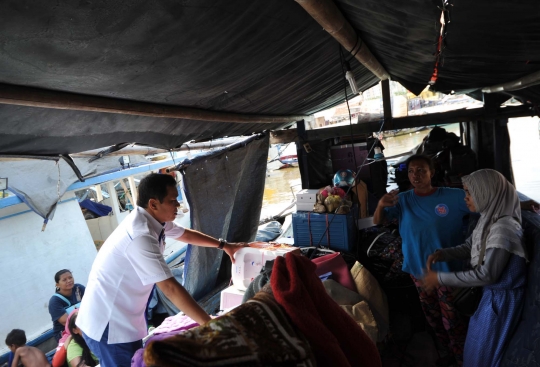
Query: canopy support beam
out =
(34, 97)
(407, 122)
(327, 14)
(387, 103)
(521, 83)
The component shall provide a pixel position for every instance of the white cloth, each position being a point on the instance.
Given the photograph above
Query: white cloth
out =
(500, 214)
(122, 276)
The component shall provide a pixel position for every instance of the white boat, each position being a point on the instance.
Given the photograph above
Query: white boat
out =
(69, 241)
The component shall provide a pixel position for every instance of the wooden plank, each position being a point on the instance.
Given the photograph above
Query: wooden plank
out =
(114, 202)
(34, 97)
(126, 192)
(387, 103)
(99, 194)
(283, 136)
(133, 189)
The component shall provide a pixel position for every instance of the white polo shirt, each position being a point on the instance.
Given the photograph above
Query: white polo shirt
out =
(127, 266)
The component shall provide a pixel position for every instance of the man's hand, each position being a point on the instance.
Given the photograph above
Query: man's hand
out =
(231, 248)
(433, 258)
(431, 281)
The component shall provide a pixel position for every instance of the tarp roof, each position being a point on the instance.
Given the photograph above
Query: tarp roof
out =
(244, 56)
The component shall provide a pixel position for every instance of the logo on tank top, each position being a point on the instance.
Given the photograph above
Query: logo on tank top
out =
(441, 210)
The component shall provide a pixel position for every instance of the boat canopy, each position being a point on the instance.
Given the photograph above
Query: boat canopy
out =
(76, 76)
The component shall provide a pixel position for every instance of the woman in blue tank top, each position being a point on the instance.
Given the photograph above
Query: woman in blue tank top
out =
(67, 296)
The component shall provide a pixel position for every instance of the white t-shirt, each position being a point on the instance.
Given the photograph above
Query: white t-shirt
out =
(127, 266)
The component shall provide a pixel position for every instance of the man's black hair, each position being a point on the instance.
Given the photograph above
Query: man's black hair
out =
(16, 337)
(154, 186)
(421, 157)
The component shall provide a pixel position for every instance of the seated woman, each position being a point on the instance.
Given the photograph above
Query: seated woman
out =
(78, 353)
(68, 295)
(497, 254)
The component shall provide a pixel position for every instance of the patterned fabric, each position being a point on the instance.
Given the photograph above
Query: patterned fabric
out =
(449, 326)
(498, 314)
(524, 346)
(393, 252)
(385, 256)
(256, 333)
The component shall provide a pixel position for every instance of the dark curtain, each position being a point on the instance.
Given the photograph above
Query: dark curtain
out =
(224, 190)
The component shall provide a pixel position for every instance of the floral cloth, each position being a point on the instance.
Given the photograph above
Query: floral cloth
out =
(256, 333)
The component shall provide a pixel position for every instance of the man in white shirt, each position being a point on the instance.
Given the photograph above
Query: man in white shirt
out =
(130, 262)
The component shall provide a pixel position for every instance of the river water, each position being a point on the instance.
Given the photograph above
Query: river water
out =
(525, 148)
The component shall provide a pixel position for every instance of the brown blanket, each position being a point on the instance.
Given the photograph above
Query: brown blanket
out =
(256, 333)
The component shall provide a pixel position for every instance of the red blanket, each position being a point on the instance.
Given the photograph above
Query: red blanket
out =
(335, 338)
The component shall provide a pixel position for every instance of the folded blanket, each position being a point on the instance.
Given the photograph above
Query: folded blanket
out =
(171, 326)
(176, 323)
(256, 333)
(335, 338)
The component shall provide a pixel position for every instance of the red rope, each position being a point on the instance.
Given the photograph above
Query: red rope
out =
(309, 230)
(327, 232)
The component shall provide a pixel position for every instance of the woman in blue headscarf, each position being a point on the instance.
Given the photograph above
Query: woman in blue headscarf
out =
(497, 256)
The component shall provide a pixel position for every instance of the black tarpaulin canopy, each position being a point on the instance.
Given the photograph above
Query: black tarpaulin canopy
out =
(238, 56)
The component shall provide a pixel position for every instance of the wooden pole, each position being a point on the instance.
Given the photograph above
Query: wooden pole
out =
(99, 194)
(327, 14)
(387, 103)
(114, 202)
(126, 192)
(133, 189)
(34, 97)
(409, 122)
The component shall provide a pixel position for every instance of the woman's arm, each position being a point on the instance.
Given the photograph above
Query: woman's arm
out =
(461, 252)
(63, 319)
(388, 200)
(488, 273)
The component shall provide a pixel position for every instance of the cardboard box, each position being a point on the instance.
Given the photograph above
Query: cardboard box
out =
(307, 196)
(231, 297)
(304, 207)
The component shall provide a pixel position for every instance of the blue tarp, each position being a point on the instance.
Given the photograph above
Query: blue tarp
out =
(98, 209)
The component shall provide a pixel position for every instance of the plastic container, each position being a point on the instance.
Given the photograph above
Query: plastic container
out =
(250, 260)
(310, 228)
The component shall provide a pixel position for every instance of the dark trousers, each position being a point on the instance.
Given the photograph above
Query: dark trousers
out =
(112, 355)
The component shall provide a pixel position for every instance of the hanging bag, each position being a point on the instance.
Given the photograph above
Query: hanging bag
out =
(466, 300)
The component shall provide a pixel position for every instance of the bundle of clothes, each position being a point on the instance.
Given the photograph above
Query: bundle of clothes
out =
(294, 319)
